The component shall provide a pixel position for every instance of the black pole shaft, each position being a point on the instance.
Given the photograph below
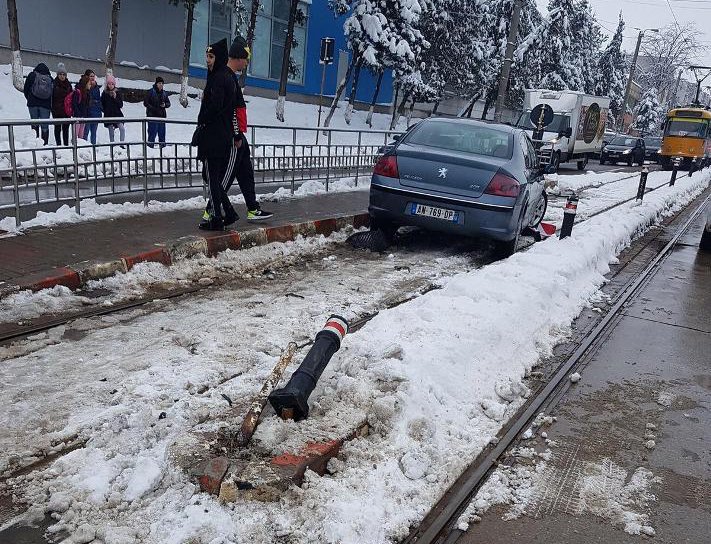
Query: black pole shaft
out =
(569, 212)
(642, 184)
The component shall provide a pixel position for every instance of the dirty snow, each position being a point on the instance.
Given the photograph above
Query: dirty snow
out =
(388, 480)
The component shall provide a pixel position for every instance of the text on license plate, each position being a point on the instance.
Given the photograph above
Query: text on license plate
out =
(437, 213)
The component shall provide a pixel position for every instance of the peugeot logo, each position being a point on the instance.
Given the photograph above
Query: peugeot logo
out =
(442, 172)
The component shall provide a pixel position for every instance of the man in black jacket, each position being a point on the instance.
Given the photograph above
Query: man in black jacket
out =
(38, 92)
(156, 102)
(217, 135)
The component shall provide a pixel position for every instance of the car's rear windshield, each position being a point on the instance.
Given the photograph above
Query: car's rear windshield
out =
(623, 141)
(464, 138)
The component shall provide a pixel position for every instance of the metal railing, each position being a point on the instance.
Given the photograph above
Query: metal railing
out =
(31, 175)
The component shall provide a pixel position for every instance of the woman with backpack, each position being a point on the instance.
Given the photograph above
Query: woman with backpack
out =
(62, 89)
(38, 92)
(80, 103)
(112, 102)
(94, 109)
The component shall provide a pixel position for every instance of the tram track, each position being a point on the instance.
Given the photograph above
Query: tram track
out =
(439, 526)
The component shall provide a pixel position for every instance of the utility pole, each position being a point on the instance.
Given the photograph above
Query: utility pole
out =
(633, 67)
(508, 60)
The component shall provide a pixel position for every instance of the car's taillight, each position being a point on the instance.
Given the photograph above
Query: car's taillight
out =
(387, 167)
(503, 185)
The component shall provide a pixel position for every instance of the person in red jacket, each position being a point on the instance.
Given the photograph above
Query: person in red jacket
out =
(240, 161)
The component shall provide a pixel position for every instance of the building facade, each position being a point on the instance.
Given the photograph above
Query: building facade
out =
(151, 38)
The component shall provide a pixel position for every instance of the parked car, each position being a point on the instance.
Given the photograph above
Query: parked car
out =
(652, 145)
(629, 149)
(460, 176)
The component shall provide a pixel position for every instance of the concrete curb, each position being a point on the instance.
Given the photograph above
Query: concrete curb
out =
(78, 275)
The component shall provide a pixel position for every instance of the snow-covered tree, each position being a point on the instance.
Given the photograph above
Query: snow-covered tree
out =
(612, 71)
(649, 114)
(586, 42)
(525, 70)
(558, 69)
(381, 35)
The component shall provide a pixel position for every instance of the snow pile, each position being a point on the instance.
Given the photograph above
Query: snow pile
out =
(559, 184)
(423, 374)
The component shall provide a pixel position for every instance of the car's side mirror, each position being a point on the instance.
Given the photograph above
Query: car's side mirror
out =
(567, 133)
(397, 137)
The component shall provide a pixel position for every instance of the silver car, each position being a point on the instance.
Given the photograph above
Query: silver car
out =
(461, 176)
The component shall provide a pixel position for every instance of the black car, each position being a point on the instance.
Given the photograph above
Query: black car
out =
(652, 146)
(629, 149)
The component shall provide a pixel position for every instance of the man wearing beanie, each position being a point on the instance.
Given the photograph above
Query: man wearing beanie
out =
(216, 136)
(239, 161)
(239, 56)
(62, 88)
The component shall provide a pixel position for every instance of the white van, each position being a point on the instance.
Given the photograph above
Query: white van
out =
(575, 129)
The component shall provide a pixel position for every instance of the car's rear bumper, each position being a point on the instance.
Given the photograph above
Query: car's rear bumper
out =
(496, 221)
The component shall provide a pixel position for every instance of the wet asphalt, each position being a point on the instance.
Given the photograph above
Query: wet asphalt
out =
(649, 379)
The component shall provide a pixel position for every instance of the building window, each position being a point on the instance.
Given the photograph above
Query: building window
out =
(214, 20)
(270, 38)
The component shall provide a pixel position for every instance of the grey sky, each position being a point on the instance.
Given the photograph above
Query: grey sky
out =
(652, 14)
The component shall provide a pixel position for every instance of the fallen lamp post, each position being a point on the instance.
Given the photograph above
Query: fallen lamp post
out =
(291, 401)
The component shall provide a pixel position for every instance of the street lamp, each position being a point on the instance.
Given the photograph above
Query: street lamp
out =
(633, 67)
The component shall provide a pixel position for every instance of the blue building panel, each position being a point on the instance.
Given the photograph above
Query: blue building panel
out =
(321, 22)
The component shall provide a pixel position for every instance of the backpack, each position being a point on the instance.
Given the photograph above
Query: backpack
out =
(68, 108)
(42, 86)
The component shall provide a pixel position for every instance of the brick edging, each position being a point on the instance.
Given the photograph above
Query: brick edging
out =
(75, 276)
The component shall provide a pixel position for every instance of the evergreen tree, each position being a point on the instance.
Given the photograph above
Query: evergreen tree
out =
(612, 71)
(586, 42)
(649, 114)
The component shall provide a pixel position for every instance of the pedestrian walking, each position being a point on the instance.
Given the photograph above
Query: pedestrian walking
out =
(216, 135)
(80, 103)
(240, 160)
(156, 102)
(112, 102)
(62, 89)
(38, 92)
(94, 107)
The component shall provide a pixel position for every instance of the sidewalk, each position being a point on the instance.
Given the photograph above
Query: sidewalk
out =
(632, 438)
(72, 254)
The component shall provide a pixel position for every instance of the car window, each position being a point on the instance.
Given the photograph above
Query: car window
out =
(690, 128)
(532, 152)
(559, 123)
(526, 154)
(623, 141)
(464, 138)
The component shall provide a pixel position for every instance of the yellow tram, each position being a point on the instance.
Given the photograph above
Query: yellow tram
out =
(687, 137)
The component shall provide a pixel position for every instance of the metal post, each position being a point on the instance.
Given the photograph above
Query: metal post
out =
(571, 208)
(675, 171)
(360, 138)
(633, 67)
(642, 183)
(145, 163)
(75, 153)
(293, 159)
(320, 102)
(13, 166)
(508, 60)
(328, 160)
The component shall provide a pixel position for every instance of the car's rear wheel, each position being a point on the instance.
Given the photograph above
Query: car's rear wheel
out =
(540, 212)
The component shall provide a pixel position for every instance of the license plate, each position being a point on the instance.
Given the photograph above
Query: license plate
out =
(437, 213)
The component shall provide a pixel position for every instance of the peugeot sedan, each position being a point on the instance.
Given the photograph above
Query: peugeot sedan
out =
(463, 177)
